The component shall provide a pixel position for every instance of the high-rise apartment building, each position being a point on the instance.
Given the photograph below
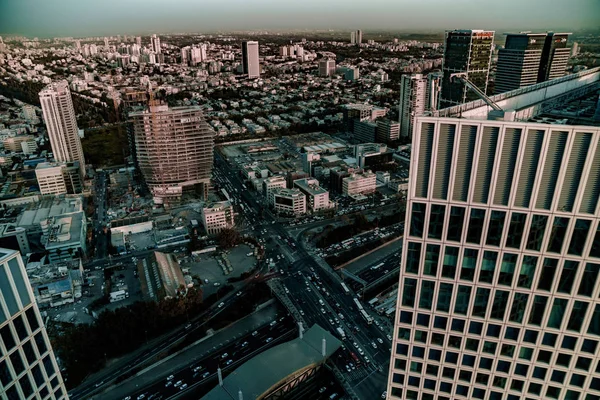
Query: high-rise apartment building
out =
(61, 124)
(155, 44)
(28, 368)
(529, 58)
(434, 87)
(353, 37)
(174, 150)
(138, 41)
(499, 282)
(468, 52)
(359, 37)
(413, 101)
(326, 67)
(575, 49)
(250, 61)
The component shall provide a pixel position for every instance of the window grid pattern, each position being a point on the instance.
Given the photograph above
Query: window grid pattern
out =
(27, 364)
(514, 317)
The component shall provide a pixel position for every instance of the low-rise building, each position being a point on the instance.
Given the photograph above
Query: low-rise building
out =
(14, 238)
(359, 183)
(369, 154)
(288, 201)
(317, 197)
(387, 130)
(217, 216)
(161, 276)
(64, 236)
(273, 182)
(13, 143)
(58, 283)
(59, 178)
(365, 131)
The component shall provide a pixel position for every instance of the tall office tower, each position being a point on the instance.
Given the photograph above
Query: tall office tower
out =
(28, 367)
(138, 41)
(250, 62)
(61, 124)
(555, 56)
(358, 37)
(469, 52)
(353, 37)
(174, 150)
(575, 49)
(106, 43)
(519, 61)
(155, 44)
(499, 290)
(413, 101)
(434, 87)
(529, 58)
(326, 67)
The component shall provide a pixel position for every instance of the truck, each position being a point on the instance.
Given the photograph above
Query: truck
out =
(341, 332)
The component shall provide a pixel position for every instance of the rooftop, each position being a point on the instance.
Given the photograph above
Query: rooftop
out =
(49, 207)
(308, 186)
(265, 371)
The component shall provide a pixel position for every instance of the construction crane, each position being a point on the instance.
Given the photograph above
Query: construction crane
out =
(462, 77)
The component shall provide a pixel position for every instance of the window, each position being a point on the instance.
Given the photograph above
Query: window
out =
(516, 385)
(547, 275)
(567, 277)
(558, 233)
(20, 327)
(406, 317)
(408, 294)
(583, 363)
(451, 358)
(449, 372)
(525, 353)
(463, 297)
(417, 219)
(432, 256)
(536, 232)
(440, 322)
(413, 257)
(549, 339)
(489, 347)
(539, 373)
(7, 337)
(436, 221)
(499, 306)
(476, 222)
(503, 366)
(450, 262)
(437, 339)
(482, 297)
(432, 370)
(588, 280)
(17, 362)
(515, 230)
(444, 297)
(41, 343)
(563, 360)
(423, 320)
(507, 269)
(530, 336)
(482, 378)
(426, 297)
(488, 266)
(494, 234)
(527, 271)
(518, 307)
(535, 388)
(558, 376)
(577, 316)
(416, 367)
(469, 263)
(455, 224)
(507, 350)
(544, 356)
(465, 375)
(33, 321)
(475, 328)
(595, 250)
(472, 344)
(521, 369)
(454, 341)
(589, 346)
(538, 310)
(400, 364)
(468, 360)
(577, 380)
(594, 327)
(499, 382)
(580, 234)
(458, 325)
(559, 307)
(404, 333)
(421, 336)
(512, 333)
(435, 355)
(569, 342)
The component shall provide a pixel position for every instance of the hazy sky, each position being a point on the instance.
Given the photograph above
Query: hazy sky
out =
(46, 18)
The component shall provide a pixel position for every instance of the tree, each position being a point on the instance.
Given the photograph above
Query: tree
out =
(228, 238)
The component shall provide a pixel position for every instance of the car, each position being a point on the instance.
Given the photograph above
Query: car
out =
(127, 398)
(238, 294)
(178, 383)
(141, 396)
(389, 337)
(322, 389)
(384, 395)
(228, 362)
(254, 333)
(224, 355)
(204, 375)
(374, 345)
(182, 387)
(221, 304)
(169, 383)
(244, 344)
(198, 368)
(380, 340)
(273, 323)
(269, 340)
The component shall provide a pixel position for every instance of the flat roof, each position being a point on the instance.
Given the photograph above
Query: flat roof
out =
(261, 373)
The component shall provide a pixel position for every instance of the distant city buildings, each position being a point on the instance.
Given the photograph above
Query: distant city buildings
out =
(28, 367)
(155, 44)
(250, 59)
(468, 52)
(218, 216)
(174, 150)
(529, 58)
(326, 67)
(61, 124)
(356, 37)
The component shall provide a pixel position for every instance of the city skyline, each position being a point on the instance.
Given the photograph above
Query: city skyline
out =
(72, 18)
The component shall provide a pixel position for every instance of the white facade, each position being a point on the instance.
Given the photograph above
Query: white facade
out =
(362, 183)
(250, 60)
(499, 287)
(217, 217)
(272, 183)
(317, 197)
(29, 147)
(289, 201)
(27, 362)
(58, 178)
(155, 44)
(413, 101)
(61, 124)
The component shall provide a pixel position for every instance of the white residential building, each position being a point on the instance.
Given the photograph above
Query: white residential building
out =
(58, 178)
(359, 183)
(217, 216)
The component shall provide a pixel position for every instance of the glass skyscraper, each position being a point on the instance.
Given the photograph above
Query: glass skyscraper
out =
(28, 369)
(499, 290)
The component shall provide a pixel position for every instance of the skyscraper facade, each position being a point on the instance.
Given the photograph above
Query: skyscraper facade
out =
(468, 52)
(529, 58)
(250, 62)
(28, 368)
(413, 100)
(499, 287)
(359, 37)
(155, 44)
(61, 124)
(174, 151)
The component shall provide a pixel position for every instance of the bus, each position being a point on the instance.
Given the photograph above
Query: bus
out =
(346, 290)
(377, 266)
(366, 316)
(341, 332)
(373, 301)
(225, 194)
(358, 305)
